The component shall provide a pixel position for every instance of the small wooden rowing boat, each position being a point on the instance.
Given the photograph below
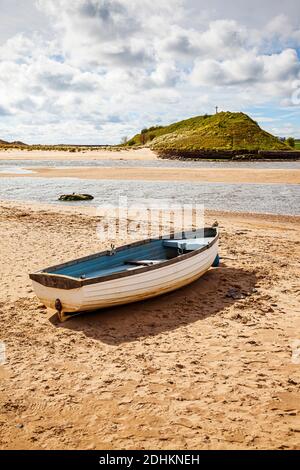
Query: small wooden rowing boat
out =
(128, 274)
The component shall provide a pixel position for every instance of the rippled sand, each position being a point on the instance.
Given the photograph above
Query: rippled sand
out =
(212, 366)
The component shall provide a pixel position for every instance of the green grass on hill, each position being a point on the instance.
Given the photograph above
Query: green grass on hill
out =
(223, 131)
(297, 144)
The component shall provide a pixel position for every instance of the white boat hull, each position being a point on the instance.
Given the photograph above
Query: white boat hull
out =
(130, 289)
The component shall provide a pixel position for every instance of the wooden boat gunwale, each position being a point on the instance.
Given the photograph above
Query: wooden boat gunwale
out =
(60, 281)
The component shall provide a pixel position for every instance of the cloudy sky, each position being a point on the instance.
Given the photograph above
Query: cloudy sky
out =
(93, 71)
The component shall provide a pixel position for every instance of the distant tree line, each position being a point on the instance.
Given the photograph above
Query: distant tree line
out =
(291, 142)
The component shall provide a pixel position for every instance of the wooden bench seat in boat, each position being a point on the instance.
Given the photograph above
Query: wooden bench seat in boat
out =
(188, 245)
(127, 266)
(145, 262)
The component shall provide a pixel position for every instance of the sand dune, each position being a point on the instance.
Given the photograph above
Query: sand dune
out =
(209, 366)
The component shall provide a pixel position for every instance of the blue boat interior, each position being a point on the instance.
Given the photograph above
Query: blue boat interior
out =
(131, 258)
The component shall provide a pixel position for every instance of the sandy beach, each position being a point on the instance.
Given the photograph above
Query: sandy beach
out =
(144, 146)
(212, 366)
(91, 154)
(193, 175)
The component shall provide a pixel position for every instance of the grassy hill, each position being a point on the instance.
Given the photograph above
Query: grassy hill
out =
(4, 143)
(223, 131)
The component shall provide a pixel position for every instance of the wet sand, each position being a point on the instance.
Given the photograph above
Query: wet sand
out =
(194, 175)
(208, 367)
(91, 154)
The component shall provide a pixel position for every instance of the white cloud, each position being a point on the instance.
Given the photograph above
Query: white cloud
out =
(110, 67)
(281, 29)
(109, 32)
(248, 68)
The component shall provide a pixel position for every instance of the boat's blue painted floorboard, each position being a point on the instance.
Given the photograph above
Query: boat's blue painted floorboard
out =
(100, 266)
(105, 265)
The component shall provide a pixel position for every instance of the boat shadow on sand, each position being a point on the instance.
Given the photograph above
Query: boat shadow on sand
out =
(210, 295)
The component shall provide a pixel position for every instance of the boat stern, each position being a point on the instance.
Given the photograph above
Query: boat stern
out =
(60, 300)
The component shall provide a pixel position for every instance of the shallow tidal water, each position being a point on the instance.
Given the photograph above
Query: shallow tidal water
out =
(10, 164)
(266, 198)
